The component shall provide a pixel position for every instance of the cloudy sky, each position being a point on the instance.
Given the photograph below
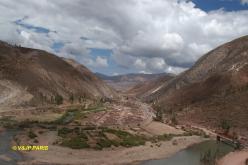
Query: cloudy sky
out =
(124, 36)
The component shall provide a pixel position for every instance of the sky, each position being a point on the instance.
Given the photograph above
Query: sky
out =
(124, 36)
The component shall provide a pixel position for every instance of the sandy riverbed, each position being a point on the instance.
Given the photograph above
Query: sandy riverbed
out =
(114, 156)
(234, 158)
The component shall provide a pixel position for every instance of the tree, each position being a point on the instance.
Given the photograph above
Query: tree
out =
(58, 99)
(80, 99)
(52, 99)
(225, 125)
(159, 115)
(71, 98)
(173, 119)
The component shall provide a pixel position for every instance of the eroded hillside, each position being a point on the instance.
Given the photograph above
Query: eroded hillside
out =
(213, 91)
(35, 77)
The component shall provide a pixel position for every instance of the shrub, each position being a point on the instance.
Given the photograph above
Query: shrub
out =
(64, 118)
(132, 141)
(75, 143)
(64, 131)
(173, 119)
(225, 125)
(209, 158)
(165, 137)
(89, 128)
(128, 140)
(36, 141)
(159, 115)
(104, 143)
(58, 99)
(82, 135)
(71, 98)
(31, 135)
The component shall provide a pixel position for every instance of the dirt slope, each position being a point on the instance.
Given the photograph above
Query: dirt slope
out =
(213, 90)
(42, 76)
(144, 89)
(128, 81)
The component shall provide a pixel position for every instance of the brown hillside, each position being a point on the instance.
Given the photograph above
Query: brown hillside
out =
(213, 90)
(40, 76)
(127, 82)
(144, 89)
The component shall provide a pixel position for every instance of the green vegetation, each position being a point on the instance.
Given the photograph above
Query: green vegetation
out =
(59, 99)
(76, 114)
(96, 108)
(75, 143)
(209, 158)
(159, 115)
(80, 136)
(99, 137)
(104, 143)
(73, 138)
(31, 134)
(71, 98)
(173, 119)
(225, 125)
(66, 118)
(127, 139)
(165, 137)
(27, 123)
(63, 132)
(8, 123)
(197, 132)
(81, 99)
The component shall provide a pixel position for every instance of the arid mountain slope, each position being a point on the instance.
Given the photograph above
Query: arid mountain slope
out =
(144, 89)
(29, 76)
(128, 81)
(213, 90)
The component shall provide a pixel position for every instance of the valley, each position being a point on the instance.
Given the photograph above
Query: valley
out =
(76, 133)
(50, 101)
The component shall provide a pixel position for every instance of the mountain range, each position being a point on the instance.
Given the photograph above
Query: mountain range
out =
(127, 81)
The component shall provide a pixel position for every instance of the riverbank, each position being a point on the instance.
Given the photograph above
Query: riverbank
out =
(113, 156)
(234, 158)
(7, 155)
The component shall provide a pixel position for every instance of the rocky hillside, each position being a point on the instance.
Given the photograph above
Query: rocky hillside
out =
(33, 77)
(149, 87)
(213, 91)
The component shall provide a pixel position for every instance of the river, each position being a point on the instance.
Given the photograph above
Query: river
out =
(188, 156)
(5, 148)
(192, 155)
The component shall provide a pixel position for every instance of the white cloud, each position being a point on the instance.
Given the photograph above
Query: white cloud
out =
(101, 62)
(145, 35)
(140, 64)
(115, 74)
(244, 2)
(157, 64)
(172, 41)
(144, 72)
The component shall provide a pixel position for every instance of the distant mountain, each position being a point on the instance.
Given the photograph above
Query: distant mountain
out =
(128, 81)
(144, 89)
(30, 76)
(214, 90)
